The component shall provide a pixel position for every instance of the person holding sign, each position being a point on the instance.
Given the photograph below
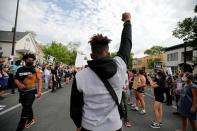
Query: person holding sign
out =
(158, 86)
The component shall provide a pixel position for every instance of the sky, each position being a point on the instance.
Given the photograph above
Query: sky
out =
(77, 20)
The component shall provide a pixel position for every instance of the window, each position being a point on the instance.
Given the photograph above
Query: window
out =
(174, 69)
(172, 57)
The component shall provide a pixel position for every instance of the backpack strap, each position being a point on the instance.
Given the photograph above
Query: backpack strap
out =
(112, 93)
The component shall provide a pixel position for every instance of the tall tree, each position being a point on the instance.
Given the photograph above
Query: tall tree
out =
(154, 50)
(60, 52)
(187, 29)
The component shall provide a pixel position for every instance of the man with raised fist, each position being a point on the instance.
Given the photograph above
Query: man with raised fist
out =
(93, 107)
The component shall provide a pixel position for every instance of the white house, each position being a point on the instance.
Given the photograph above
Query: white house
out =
(25, 43)
(175, 57)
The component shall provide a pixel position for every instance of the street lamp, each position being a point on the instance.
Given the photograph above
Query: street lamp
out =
(185, 51)
(14, 29)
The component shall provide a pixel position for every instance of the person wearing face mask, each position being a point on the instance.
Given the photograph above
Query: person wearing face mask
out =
(188, 103)
(158, 86)
(25, 80)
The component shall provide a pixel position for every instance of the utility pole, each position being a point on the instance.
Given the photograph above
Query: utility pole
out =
(14, 30)
(185, 53)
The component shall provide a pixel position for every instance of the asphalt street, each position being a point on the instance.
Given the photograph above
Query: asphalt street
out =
(52, 113)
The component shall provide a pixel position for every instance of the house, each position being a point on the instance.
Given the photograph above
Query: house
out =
(25, 43)
(143, 63)
(175, 58)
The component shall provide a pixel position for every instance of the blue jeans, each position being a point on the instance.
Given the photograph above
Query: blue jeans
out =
(133, 96)
(46, 80)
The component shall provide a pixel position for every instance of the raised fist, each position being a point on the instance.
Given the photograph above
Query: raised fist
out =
(126, 16)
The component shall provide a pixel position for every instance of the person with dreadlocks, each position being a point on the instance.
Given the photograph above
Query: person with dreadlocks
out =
(93, 107)
(25, 80)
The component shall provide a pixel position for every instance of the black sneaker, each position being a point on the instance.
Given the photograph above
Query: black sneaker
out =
(176, 113)
(155, 125)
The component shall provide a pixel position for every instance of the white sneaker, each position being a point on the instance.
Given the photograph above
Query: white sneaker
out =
(143, 112)
(155, 125)
(137, 108)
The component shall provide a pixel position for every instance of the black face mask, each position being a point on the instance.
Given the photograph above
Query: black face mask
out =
(29, 64)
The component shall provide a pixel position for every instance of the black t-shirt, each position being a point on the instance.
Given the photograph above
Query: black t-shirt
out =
(158, 92)
(23, 72)
(28, 77)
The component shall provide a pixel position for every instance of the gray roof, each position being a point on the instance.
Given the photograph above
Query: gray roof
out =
(7, 36)
(174, 47)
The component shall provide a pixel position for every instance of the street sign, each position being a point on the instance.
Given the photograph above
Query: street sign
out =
(50, 59)
(81, 60)
(11, 58)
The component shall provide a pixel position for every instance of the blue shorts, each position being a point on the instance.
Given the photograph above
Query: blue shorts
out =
(141, 90)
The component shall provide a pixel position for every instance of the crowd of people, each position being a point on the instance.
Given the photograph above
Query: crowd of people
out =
(102, 93)
(179, 87)
(52, 75)
(27, 78)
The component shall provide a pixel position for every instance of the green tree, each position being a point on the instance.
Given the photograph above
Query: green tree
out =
(113, 54)
(187, 29)
(155, 50)
(60, 52)
(130, 61)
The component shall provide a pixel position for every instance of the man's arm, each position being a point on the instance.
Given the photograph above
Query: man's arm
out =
(126, 39)
(39, 78)
(194, 102)
(18, 83)
(76, 104)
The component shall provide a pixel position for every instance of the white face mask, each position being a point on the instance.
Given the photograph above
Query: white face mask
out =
(184, 78)
(157, 77)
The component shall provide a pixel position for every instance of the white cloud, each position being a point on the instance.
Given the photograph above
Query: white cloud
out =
(77, 20)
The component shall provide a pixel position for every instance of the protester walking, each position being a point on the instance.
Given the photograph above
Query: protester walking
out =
(25, 80)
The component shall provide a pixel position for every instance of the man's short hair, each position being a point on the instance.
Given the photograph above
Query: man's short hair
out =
(18, 62)
(29, 55)
(99, 42)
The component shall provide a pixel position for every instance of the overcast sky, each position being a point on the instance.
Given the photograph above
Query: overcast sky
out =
(77, 20)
